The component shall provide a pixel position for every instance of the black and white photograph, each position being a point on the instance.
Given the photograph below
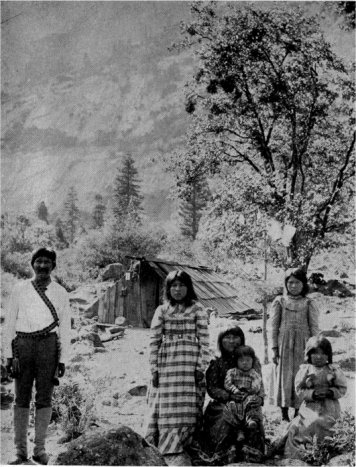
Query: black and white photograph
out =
(178, 233)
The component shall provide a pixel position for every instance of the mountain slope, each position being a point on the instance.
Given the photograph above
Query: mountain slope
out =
(84, 83)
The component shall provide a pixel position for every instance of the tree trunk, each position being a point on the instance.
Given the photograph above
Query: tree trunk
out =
(296, 259)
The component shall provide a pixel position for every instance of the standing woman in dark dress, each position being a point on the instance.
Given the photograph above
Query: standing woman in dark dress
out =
(219, 436)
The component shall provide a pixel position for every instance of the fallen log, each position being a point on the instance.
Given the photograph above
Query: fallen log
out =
(112, 337)
(105, 325)
(112, 328)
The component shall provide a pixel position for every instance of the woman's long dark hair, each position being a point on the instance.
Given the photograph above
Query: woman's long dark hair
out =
(185, 279)
(236, 331)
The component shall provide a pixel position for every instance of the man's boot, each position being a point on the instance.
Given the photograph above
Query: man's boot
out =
(42, 419)
(21, 419)
(285, 416)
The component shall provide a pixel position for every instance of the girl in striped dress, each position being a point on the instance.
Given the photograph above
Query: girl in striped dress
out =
(179, 353)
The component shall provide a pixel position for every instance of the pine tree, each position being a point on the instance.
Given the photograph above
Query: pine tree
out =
(98, 211)
(127, 190)
(60, 232)
(192, 206)
(42, 212)
(71, 213)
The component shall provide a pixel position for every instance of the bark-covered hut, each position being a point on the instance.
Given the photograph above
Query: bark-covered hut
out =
(138, 293)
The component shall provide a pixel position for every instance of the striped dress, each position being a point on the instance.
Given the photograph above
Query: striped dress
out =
(248, 383)
(179, 346)
(293, 321)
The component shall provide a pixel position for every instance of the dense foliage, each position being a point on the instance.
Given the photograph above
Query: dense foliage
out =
(82, 261)
(341, 441)
(271, 118)
(115, 241)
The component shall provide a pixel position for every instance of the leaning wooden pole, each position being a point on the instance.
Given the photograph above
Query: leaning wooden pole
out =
(264, 302)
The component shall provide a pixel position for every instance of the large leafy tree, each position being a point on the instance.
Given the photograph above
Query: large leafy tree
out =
(271, 117)
(192, 206)
(127, 197)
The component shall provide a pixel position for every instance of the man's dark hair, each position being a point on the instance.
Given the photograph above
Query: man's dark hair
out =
(44, 251)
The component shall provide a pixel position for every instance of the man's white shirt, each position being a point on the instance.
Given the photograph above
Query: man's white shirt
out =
(27, 312)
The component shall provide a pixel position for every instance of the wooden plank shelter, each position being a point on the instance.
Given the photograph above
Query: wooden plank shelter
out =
(139, 292)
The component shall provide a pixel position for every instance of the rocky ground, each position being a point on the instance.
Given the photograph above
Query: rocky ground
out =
(122, 365)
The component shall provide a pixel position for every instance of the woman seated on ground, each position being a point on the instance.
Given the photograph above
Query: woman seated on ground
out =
(219, 437)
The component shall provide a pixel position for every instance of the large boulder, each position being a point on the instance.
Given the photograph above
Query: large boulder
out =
(331, 333)
(83, 295)
(112, 272)
(91, 310)
(138, 390)
(335, 288)
(342, 460)
(85, 299)
(119, 446)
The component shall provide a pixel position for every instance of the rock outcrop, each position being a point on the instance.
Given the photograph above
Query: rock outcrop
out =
(120, 446)
(113, 271)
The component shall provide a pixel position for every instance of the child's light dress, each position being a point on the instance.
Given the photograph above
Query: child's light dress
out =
(315, 417)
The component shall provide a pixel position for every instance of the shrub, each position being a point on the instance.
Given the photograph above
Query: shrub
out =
(17, 264)
(341, 441)
(73, 408)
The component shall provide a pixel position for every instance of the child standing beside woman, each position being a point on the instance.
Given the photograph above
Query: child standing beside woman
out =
(319, 383)
(179, 354)
(294, 319)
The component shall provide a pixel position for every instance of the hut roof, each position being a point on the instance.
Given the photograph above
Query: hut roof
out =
(212, 289)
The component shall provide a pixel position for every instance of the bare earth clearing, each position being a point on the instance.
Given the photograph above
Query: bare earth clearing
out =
(124, 365)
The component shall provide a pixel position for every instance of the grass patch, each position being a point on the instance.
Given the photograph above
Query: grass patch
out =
(341, 441)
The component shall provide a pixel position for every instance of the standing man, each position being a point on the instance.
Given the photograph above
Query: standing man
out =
(36, 345)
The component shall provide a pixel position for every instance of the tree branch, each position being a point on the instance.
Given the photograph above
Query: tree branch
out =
(245, 158)
(338, 183)
(336, 227)
(266, 153)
